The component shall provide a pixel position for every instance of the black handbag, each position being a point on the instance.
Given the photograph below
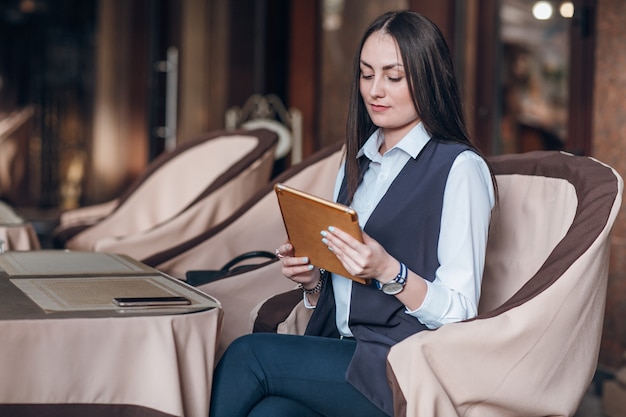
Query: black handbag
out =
(232, 267)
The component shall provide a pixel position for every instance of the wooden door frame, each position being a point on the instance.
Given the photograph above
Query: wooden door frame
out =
(581, 76)
(303, 71)
(484, 103)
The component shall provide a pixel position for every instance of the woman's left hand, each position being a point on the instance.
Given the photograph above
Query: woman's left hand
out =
(363, 260)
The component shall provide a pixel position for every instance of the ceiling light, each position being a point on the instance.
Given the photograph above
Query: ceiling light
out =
(542, 10)
(567, 9)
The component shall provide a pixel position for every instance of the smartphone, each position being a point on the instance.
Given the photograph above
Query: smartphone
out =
(151, 301)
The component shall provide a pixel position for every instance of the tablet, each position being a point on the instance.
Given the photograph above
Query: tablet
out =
(305, 216)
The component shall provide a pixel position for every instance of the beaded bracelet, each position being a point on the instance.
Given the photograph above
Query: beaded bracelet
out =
(318, 286)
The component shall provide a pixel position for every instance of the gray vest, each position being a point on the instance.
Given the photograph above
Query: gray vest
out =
(406, 223)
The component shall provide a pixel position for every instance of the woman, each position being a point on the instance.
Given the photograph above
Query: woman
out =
(424, 197)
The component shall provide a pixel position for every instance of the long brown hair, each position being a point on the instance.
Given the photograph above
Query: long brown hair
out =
(431, 80)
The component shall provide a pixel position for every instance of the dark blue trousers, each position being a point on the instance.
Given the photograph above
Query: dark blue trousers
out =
(271, 375)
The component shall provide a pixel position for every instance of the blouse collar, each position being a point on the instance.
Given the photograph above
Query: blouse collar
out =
(412, 143)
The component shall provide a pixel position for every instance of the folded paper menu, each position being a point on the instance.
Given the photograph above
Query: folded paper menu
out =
(305, 216)
(69, 263)
(71, 281)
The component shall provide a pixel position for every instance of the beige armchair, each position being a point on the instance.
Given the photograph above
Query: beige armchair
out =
(181, 194)
(256, 226)
(15, 232)
(16, 129)
(533, 349)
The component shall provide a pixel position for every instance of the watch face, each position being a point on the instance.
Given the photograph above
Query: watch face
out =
(392, 288)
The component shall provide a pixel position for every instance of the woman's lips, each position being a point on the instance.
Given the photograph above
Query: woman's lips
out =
(378, 107)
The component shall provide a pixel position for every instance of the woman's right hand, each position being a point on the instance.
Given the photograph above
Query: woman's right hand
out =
(297, 268)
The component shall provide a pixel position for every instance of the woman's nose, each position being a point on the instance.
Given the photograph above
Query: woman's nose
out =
(377, 88)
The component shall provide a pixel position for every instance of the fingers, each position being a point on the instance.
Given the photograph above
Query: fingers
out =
(286, 249)
(298, 269)
(294, 271)
(295, 261)
(342, 243)
(359, 258)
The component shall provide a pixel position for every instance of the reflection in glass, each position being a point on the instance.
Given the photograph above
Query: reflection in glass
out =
(534, 76)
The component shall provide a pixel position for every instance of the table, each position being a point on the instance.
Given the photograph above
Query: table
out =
(59, 357)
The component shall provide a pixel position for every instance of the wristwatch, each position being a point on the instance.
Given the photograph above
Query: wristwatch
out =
(397, 284)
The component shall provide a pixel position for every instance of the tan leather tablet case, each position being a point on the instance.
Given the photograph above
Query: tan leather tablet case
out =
(305, 216)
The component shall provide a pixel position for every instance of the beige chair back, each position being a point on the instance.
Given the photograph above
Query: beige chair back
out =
(16, 130)
(15, 232)
(533, 349)
(184, 192)
(256, 226)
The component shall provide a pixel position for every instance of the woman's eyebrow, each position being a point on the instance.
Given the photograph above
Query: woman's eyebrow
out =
(386, 67)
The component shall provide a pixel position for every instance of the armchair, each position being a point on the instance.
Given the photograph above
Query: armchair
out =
(533, 349)
(182, 193)
(15, 232)
(256, 226)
